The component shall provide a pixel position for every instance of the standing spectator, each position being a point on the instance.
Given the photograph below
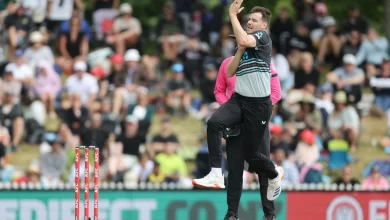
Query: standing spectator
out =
(127, 30)
(282, 29)
(141, 170)
(18, 26)
(355, 22)
(346, 177)
(376, 180)
(47, 86)
(178, 95)
(306, 72)
(83, 84)
(292, 174)
(373, 49)
(38, 50)
(348, 78)
(53, 164)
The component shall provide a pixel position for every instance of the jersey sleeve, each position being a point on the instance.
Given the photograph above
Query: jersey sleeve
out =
(262, 38)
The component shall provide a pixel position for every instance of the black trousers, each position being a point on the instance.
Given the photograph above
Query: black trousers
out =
(235, 156)
(253, 115)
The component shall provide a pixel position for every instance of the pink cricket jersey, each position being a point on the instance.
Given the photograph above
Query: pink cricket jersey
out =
(224, 87)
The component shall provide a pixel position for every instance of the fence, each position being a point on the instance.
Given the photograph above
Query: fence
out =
(194, 205)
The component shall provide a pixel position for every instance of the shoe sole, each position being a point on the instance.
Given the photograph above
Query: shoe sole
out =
(214, 186)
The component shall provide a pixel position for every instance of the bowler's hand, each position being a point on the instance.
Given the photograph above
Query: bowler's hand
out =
(235, 7)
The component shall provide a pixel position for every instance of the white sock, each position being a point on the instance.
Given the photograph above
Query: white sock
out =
(216, 171)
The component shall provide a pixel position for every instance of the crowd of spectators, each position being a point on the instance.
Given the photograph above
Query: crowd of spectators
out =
(107, 95)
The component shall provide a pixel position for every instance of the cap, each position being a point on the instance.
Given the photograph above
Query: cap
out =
(308, 98)
(125, 8)
(349, 59)
(276, 129)
(177, 68)
(375, 168)
(19, 53)
(210, 66)
(97, 72)
(340, 97)
(80, 66)
(308, 136)
(117, 58)
(142, 90)
(36, 37)
(33, 169)
(131, 119)
(329, 21)
(132, 55)
(38, 16)
(9, 68)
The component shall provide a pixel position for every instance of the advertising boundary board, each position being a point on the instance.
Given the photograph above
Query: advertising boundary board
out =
(338, 205)
(133, 205)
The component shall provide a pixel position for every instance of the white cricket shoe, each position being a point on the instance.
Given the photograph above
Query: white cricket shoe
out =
(211, 181)
(275, 185)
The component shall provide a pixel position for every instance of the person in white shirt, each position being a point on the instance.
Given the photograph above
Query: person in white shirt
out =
(82, 83)
(20, 70)
(38, 51)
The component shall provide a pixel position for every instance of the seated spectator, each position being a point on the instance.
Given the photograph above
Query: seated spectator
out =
(65, 26)
(193, 55)
(156, 176)
(329, 45)
(307, 151)
(38, 51)
(22, 71)
(95, 135)
(73, 45)
(35, 118)
(126, 149)
(380, 85)
(178, 97)
(33, 174)
(297, 43)
(10, 84)
(5, 141)
(83, 84)
(143, 111)
(373, 49)
(48, 86)
(117, 69)
(308, 116)
(173, 166)
(75, 116)
(306, 72)
(291, 174)
(166, 137)
(282, 68)
(12, 117)
(376, 180)
(344, 122)
(281, 29)
(103, 16)
(52, 164)
(18, 26)
(127, 30)
(348, 78)
(355, 21)
(207, 90)
(351, 45)
(225, 45)
(81, 169)
(169, 30)
(346, 177)
(126, 81)
(141, 170)
(110, 122)
(277, 141)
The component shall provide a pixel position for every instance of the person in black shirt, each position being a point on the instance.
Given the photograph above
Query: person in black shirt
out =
(355, 21)
(208, 84)
(301, 40)
(18, 26)
(164, 138)
(105, 4)
(306, 72)
(75, 116)
(346, 177)
(281, 30)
